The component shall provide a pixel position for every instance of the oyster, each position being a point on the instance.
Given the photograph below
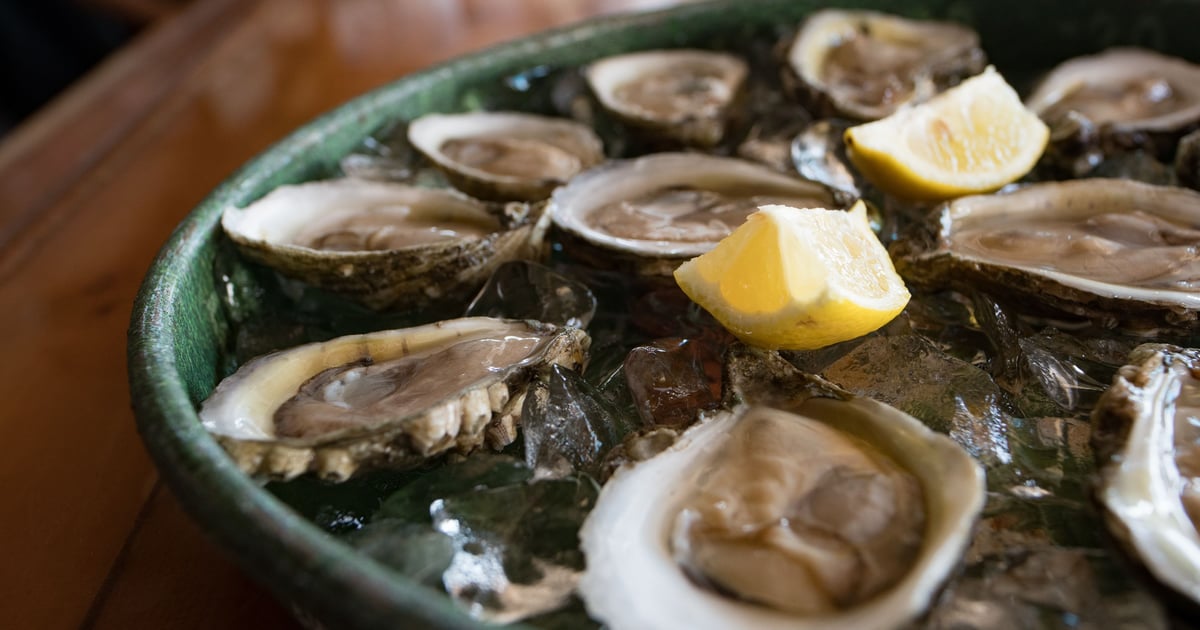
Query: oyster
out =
(863, 65)
(1121, 252)
(505, 155)
(1148, 445)
(649, 214)
(816, 509)
(1120, 99)
(382, 244)
(683, 95)
(393, 398)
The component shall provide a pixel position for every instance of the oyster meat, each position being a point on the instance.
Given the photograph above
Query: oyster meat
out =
(1119, 99)
(1121, 252)
(1148, 445)
(683, 95)
(393, 398)
(821, 510)
(863, 65)
(649, 214)
(505, 155)
(382, 244)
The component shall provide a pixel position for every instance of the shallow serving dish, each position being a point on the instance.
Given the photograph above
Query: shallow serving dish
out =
(180, 332)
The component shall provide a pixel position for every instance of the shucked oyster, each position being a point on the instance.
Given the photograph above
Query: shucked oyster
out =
(385, 245)
(684, 95)
(822, 510)
(1119, 251)
(391, 398)
(1149, 448)
(650, 214)
(863, 64)
(505, 155)
(1119, 99)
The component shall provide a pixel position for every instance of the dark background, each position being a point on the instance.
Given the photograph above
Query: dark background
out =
(45, 45)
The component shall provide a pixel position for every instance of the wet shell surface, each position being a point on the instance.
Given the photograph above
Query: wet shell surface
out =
(393, 398)
(648, 215)
(1118, 251)
(1123, 90)
(506, 156)
(1148, 445)
(877, 511)
(385, 245)
(864, 65)
(683, 95)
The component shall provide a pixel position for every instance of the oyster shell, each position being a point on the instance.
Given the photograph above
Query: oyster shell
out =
(1120, 99)
(863, 64)
(334, 407)
(505, 155)
(1121, 252)
(649, 214)
(814, 509)
(1148, 446)
(382, 244)
(682, 95)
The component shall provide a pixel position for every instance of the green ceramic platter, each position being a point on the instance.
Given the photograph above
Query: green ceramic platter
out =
(179, 329)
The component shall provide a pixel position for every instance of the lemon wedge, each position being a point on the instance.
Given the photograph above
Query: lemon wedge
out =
(972, 138)
(797, 279)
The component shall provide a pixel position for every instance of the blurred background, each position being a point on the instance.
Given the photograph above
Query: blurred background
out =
(48, 44)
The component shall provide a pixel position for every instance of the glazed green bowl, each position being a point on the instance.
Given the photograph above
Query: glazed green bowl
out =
(179, 331)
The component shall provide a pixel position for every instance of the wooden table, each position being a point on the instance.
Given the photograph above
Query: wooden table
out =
(89, 190)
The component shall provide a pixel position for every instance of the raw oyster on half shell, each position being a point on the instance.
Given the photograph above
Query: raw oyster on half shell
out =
(393, 398)
(863, 65)
(1120, 99)
(648, 215)
(1148, 445)
(1117, 251)
(382, 244)
(812, 508)
(506, 156)
(683, 95)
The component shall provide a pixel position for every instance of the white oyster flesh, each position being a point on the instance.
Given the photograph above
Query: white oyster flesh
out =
(1114, 238)
(850, 516)
(674, 204)
(1151, 486)
(1124, 89)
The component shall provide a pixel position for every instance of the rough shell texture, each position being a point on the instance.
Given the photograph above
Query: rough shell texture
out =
(406, 277)
(429, 133)
(929, 261)
(1134, 439)
(632, 580)
(240, 411)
